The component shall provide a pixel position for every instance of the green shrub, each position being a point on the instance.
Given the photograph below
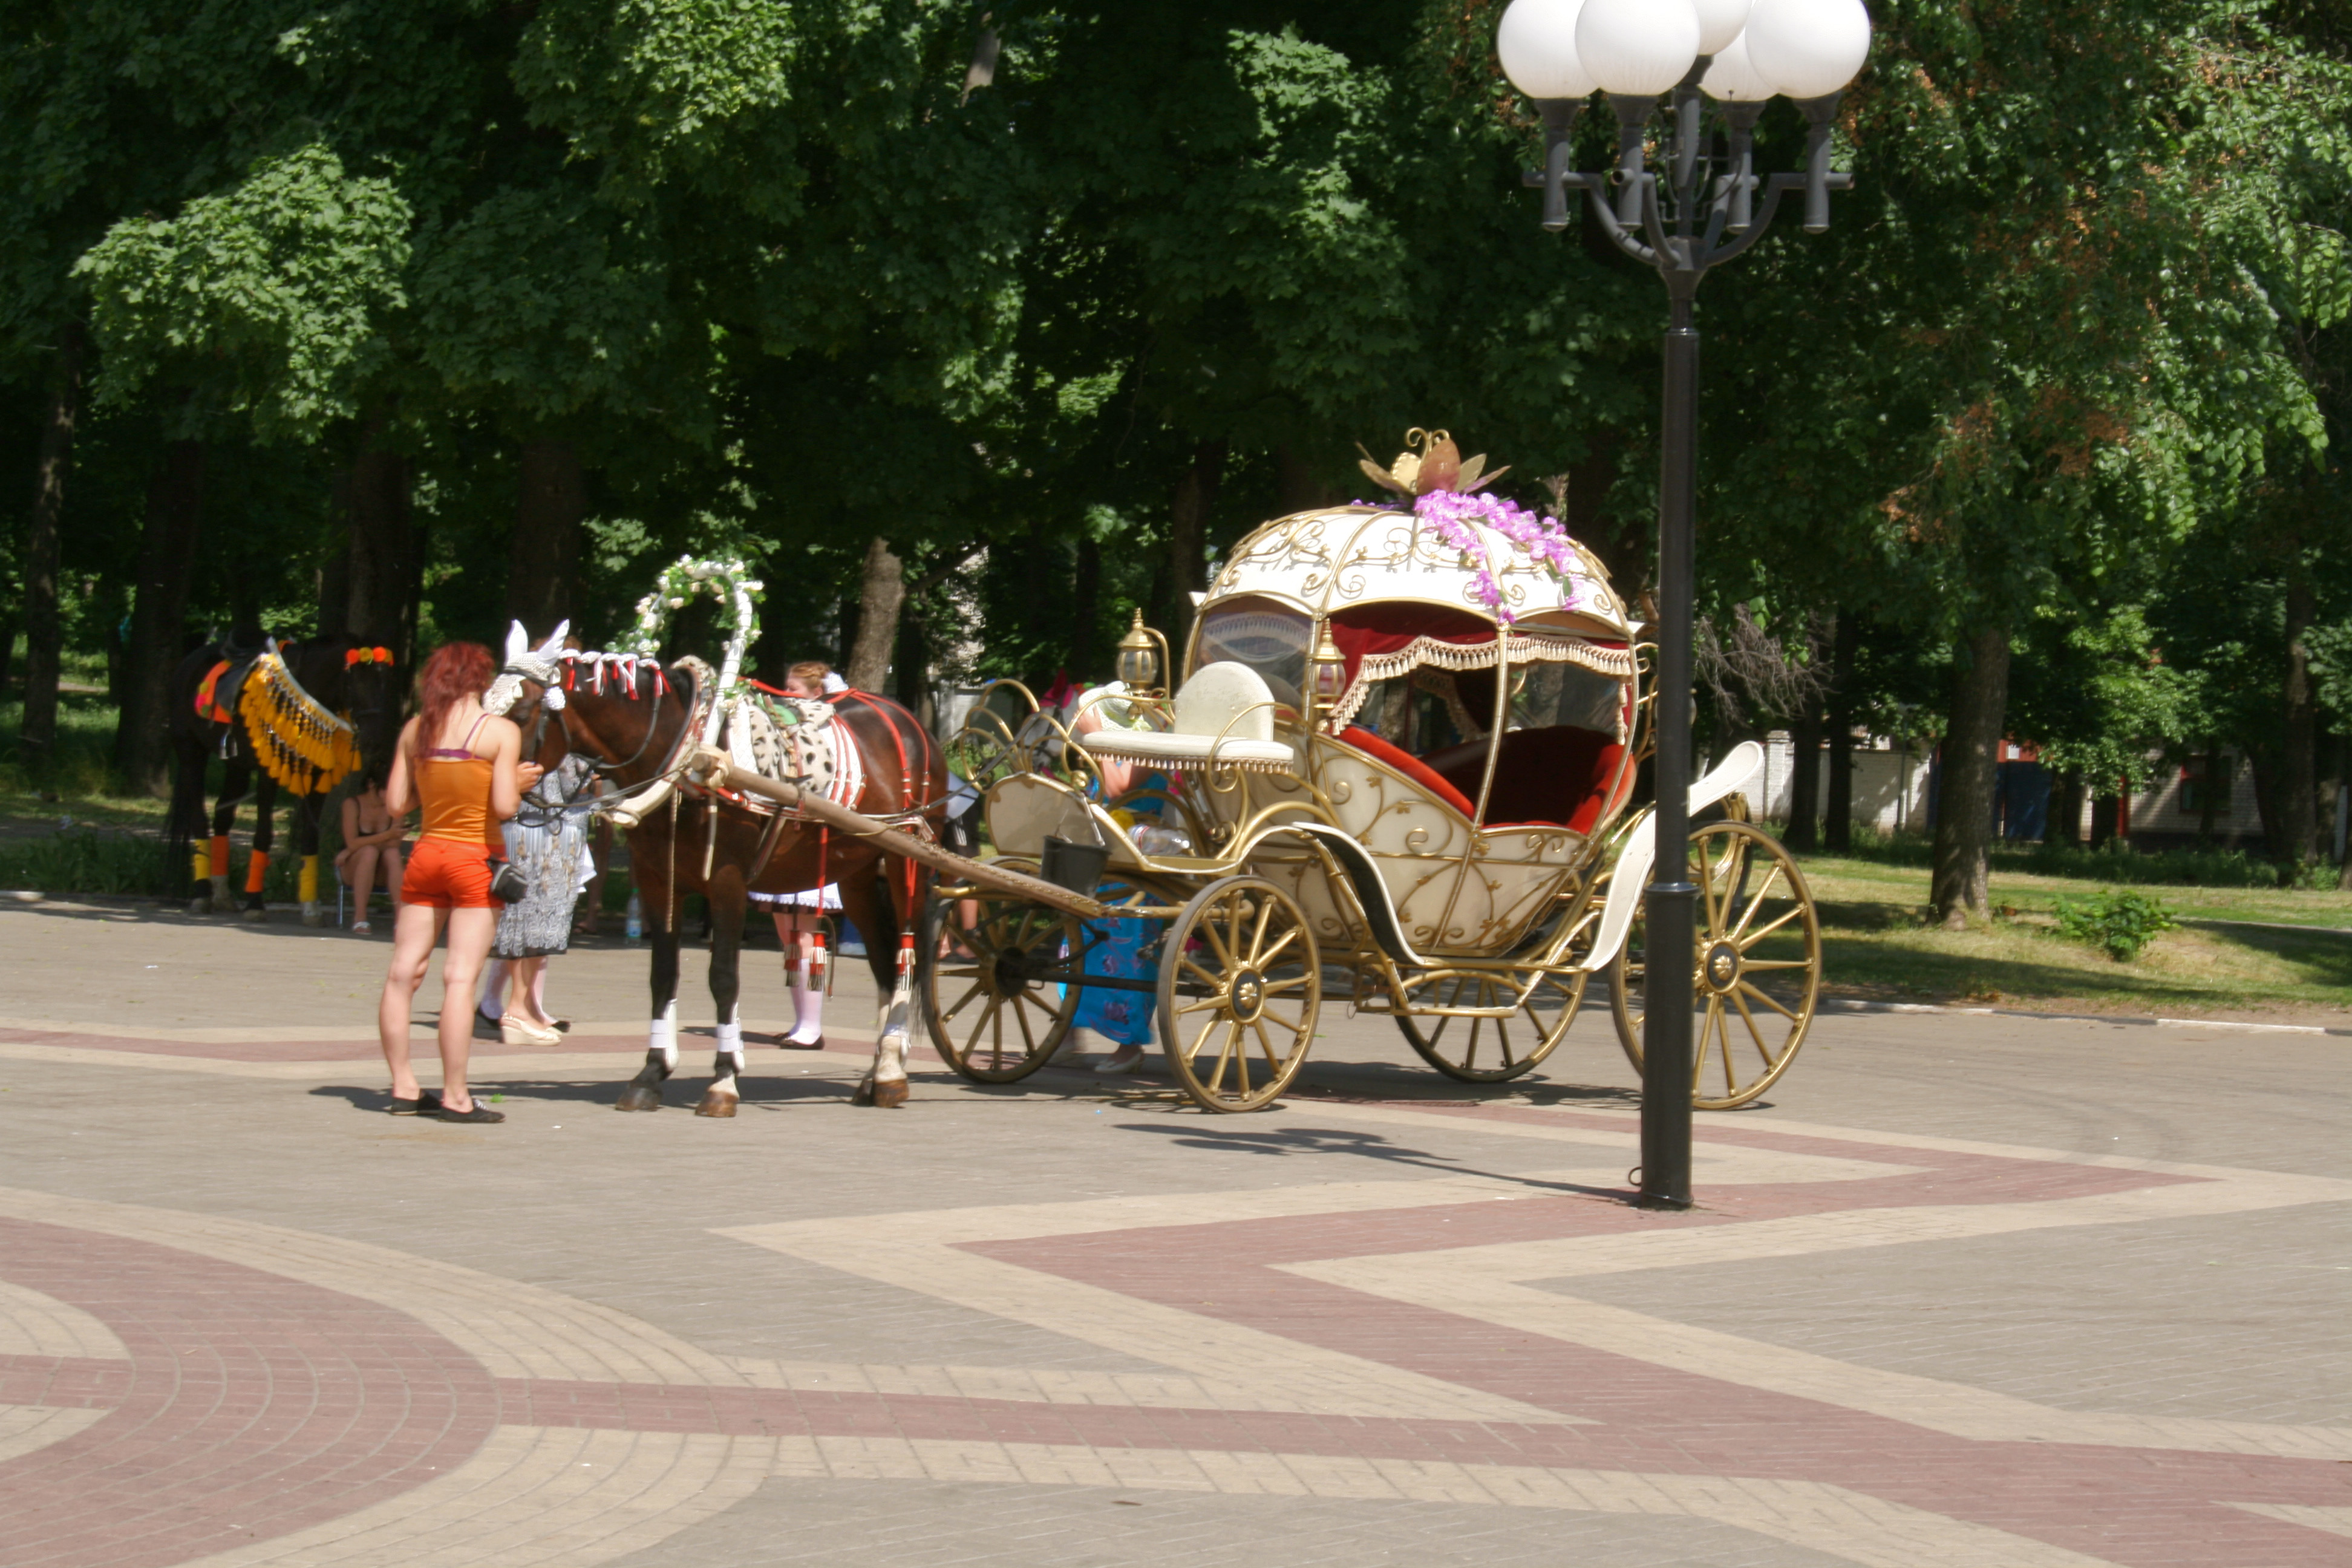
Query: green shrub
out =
(2122, 923)
(83, 860)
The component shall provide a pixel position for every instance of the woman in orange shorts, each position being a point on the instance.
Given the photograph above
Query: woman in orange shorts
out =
(463, 768)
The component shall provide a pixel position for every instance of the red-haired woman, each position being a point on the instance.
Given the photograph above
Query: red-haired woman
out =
(462, 766)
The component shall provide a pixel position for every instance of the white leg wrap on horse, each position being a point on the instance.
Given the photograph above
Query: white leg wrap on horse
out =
(663, 1037)
(891, 1045)
(730, 1039)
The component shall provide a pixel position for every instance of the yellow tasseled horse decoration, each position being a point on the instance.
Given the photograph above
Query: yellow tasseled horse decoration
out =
(307, 749)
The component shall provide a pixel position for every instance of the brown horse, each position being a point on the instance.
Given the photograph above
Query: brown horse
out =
(633, 718)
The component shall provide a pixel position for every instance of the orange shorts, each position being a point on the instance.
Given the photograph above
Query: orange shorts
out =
(448, 874)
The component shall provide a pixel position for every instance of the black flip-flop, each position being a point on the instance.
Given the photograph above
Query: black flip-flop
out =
(480, 1112)
(427, 1101)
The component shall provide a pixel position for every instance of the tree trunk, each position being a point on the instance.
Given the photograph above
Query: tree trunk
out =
(382, 563)
(1803, 833)
(2106, 811)
(1087, 653)
(883, 591)
(167, 556)
(2344, 811)
(1961, 892)
(1837, 814)
(2209, 791)
(1188, 523)
(44, 631)
(543, 564)
(2297, 789)
(335, 569)
(2066, 809)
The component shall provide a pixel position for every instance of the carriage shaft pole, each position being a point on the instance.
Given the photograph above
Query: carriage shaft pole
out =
(1668, 979)
(717, 767)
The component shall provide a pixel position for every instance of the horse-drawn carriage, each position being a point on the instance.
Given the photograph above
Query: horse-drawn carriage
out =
(1396, 773)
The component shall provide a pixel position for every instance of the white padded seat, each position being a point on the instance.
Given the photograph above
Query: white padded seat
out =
(1223, 717)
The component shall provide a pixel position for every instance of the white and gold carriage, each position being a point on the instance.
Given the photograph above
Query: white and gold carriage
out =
(1396, 775)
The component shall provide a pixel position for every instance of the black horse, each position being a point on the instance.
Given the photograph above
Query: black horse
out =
(366, 692)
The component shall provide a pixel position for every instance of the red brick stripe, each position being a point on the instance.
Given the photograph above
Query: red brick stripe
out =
(252, 1405)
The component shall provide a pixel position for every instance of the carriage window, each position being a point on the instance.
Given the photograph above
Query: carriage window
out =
(1271, 641)
(1545, 695)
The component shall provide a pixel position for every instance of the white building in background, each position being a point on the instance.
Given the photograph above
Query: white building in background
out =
(1890, 783)
(1892, 793)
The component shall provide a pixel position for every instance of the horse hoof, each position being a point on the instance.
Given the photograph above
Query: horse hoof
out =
(888, 1095)
(637, 1096)
(257, 917)
(717, 1105)
(200, 906)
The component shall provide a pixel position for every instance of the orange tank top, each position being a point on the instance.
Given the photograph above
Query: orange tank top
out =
(453, 787)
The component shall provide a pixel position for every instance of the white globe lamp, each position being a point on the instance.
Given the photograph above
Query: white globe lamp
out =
(1719, 22)
(1537, 41)
(1732, 77)
(1807, 49)
(1638, 48)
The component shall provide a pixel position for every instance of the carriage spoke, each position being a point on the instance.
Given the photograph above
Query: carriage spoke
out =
(1758, 901)
(1747, 964)
(1224, 1055)
(1705, 1037)
(1765, 998)
(1293, 983)
(1225, 953)
(1264, 956)
(1257, 932)
(1211, 980)
(1762, 1049)
(1241, 1066)
(1205, 1005)
(1709, 886)
(1199, 1040)
(1762, 932)
(1020, 1016)
(1723, 1039)
(1274, 1060)
(994, 1020)
(947, 1015)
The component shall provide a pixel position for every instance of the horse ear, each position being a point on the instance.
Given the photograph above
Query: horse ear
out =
(518, 642)
(555, 642)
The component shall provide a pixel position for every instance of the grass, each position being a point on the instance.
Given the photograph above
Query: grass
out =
(2229, 961)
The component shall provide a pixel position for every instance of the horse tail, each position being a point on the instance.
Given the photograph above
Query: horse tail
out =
(187, 811)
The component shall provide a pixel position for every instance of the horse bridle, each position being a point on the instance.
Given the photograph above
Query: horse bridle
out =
(543, 674)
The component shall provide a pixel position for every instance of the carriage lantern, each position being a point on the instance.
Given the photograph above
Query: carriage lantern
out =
(1142, 654)
(1697, 209)
(1330, 672)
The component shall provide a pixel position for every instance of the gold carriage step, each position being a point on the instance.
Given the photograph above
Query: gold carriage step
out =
(1222, 717)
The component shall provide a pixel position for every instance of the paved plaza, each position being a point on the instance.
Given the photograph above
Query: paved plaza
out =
(1990, 1291)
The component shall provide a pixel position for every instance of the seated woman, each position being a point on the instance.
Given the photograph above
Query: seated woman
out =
(372, 837)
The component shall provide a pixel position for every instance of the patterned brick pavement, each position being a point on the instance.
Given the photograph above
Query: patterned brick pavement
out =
(1971, 1291)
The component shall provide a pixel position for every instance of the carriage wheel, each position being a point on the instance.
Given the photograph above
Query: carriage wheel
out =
(1490, 1050)
(1240, 986)
(1000, 1014)
(1759, 960)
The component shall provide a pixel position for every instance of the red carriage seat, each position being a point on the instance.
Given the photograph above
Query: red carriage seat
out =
(1557, 777)
(1429, 780)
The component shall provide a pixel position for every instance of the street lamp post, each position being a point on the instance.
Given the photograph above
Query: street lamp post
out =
(1698, 210)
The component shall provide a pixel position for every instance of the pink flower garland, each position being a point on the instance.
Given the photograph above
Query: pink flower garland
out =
(1451, 513)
